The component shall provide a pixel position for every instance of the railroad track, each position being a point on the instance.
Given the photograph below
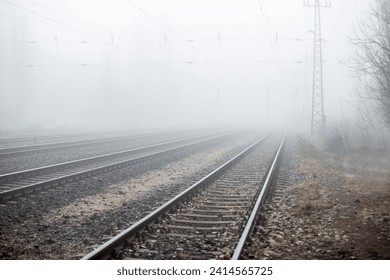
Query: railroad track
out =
(17, 184)
(45, 147)
(42, 139)
(33, 138)
(212, 219)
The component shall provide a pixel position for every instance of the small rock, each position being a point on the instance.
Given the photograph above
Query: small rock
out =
(271, 254)
(274, 243)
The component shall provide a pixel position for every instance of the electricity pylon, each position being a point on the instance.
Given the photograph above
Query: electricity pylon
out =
(317, 108)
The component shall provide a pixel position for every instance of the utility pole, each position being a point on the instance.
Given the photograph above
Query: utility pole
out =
(317, 109)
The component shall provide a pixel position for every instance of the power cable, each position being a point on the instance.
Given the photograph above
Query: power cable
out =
(81, 32)
(67, 16)
(171, 19)
(338, 20)
(166, 27)
(264, 17)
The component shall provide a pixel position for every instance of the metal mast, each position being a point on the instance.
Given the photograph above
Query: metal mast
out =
(317, 108)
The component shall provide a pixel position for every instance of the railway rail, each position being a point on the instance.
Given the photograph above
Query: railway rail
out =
(34, 138)
(30, 140)
(65, 137)
(211, 219)
(45, 147)
(20, 183)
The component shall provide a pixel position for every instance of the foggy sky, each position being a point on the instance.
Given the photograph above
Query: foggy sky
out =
(135, 64)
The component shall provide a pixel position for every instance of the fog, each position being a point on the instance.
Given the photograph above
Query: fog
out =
(151, 64)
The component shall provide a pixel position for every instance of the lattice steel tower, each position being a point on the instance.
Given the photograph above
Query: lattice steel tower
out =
(317, 108)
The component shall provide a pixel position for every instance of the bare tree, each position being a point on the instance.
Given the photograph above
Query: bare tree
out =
(370, 63)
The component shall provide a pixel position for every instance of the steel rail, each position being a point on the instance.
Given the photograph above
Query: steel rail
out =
(18, 191)
(11, 151)
(86, 136)
(259, 202)
(38, 137)
(111, 246)
(40, 170)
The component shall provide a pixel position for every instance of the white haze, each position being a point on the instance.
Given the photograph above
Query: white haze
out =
(142, 64)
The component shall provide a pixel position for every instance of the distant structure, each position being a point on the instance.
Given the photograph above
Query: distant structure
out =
(317, 108)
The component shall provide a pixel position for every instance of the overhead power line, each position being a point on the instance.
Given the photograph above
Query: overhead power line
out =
(67, 16)
(167, 28)
(338, 20)
(267, 27)
(81, 32)
(154, 19)
(171, 19)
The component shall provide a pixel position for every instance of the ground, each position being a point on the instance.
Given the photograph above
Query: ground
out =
(336, 205)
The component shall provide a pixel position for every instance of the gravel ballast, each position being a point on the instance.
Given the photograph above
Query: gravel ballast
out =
(68, 222)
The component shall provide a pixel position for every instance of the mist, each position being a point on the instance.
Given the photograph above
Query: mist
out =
(157, 64)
